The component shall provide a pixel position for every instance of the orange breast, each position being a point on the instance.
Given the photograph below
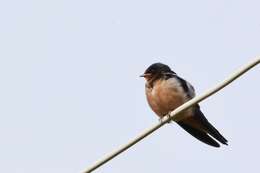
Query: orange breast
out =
(165, 96)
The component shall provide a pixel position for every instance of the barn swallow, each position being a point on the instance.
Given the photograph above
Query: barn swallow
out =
(165, 91)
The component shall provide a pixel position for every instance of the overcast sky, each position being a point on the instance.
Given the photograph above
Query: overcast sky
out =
(70, 90)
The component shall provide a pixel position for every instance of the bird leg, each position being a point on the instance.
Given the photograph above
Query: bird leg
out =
(160, 119)
(169, 116)
(165, 116)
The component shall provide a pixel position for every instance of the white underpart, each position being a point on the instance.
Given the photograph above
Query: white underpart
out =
(174, 83)
(191, 89)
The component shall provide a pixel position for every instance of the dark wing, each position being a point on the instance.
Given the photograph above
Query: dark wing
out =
(199, 127)
(200, 135)
(187, 87)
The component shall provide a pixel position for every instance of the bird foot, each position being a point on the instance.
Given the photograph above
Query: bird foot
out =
(169, 116)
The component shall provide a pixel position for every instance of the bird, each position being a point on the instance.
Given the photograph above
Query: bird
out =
(165, 91)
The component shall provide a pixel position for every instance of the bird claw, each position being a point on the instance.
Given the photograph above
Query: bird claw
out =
(169, 116)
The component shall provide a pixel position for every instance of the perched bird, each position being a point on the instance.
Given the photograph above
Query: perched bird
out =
(165, 91)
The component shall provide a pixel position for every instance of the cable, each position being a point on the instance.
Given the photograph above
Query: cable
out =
(174, 114)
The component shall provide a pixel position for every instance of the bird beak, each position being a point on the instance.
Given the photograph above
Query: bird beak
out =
(145, 75)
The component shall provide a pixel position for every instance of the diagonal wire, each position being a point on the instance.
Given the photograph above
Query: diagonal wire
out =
(174, 114)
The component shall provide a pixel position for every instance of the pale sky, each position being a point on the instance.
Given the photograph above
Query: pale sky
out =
(70, 90)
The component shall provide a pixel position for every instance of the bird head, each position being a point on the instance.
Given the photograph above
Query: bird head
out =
(157, 70)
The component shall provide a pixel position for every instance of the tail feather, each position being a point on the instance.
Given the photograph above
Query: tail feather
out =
(209, 127)
(199, 127)
(200, 135)
(215, 133)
